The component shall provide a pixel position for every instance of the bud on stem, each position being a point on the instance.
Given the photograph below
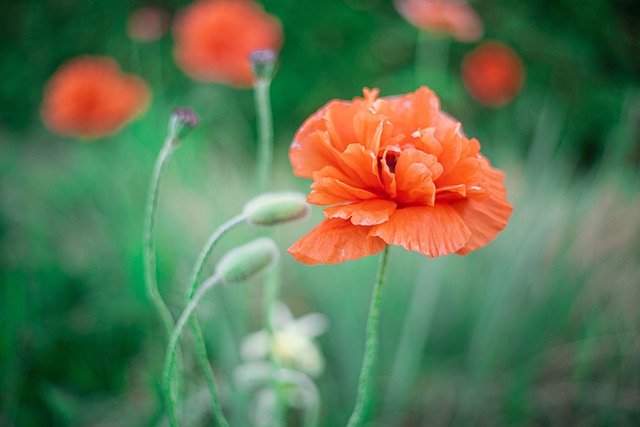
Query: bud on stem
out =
(244, 262)
(276, 208)
(181, 122)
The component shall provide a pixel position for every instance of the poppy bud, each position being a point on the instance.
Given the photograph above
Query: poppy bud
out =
(263, 63)
(181, 122)
(276, 208)
(244, 262)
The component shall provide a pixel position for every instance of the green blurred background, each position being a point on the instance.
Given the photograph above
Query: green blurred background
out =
(540, 328)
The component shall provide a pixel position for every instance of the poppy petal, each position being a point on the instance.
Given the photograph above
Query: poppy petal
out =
(334, 241)
(414, 171)
(431, 230)
(311, 153)
(331, 186)
(487, 216)
(369, 212)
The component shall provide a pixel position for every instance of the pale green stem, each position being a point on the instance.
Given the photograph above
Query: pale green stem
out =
(201, 348)
(271, 289)
(173, 345)
(432, 54)
(371, 347)
(265, 132)
(310, 391)
(151, 218)
(265, 159)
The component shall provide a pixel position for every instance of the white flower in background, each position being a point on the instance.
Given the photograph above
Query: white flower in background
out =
(293, 345)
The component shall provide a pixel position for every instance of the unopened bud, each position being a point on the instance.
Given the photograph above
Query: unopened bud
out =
(181, 122)
(276, 208)
(263, 63)
(244, 262)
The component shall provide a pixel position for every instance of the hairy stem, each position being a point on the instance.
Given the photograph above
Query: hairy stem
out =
(173, 345)
(371, 347)
(201, 349)
(151, 217)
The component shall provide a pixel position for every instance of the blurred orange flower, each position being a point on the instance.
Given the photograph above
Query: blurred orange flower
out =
(453, 17)
(147, 24)
(493, 74)
(89, 97)
(396, 171)
(214, 39)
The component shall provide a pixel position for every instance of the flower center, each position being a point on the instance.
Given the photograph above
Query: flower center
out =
(391, 158)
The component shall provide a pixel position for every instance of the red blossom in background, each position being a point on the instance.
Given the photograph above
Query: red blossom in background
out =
(493, 74)
(453, 17)
(89, 97)
(395, 171)
(214, 39)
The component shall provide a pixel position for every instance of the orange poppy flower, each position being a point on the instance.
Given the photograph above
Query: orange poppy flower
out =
(89, 97)
(395, 171)
(453, 17)
(214, 39)
(147, 24)
(493, 74)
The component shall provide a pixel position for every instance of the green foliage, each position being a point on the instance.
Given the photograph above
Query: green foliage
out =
(539, 328)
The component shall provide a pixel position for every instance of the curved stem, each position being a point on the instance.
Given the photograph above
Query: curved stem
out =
(151, 281)
(173, 344)
(311, 394)
(371, 346)
(265, 132)
(201, 349)
(207, 248)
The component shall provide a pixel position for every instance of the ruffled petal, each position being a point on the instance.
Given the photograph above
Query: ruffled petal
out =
(334, 241)
(331, 186)
(414, 171)
(311, 153)
(360, 168)
(432, 231)
(369, 212)
(487, 216)
(369, 129)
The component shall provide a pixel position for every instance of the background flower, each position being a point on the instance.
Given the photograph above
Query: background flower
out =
(147, 24)
(453, 17)
(398, 171)
(493, 74)
(214, 39)
(293, 343)
(89, 97)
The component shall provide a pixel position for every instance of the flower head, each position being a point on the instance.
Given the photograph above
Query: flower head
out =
(395, 171)
(214, 39)
(89, 97)
(493, 74)
(293, 344)
(453, 17)
(147, 24)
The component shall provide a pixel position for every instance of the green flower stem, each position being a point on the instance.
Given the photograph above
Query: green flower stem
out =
(371, 347)
(432, 61)
(272, 284)
(271, 289)
(201, 349)
(310, 392)
(151, 217)
(265, 132)
(173, 345)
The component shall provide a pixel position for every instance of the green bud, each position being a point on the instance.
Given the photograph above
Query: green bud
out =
(181, 122)
(276, 208)
(244, 262)
(263, 63)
